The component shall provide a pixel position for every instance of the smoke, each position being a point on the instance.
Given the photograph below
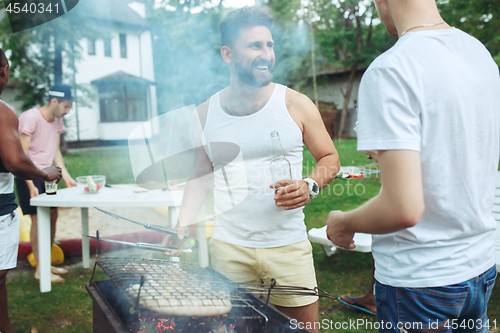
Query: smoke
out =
(119, 86)
(165, 152)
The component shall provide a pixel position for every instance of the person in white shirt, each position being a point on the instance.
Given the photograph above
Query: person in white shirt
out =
(430, 107)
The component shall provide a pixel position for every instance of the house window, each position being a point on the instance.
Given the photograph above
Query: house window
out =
(91, 46)
(107, 47)
(123, 102)
(123, 45)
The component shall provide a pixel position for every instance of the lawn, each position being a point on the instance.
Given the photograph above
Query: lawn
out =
(68, 308)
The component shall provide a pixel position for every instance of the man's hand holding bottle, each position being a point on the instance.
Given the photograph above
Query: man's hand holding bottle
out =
(291, 194)
(53, 173)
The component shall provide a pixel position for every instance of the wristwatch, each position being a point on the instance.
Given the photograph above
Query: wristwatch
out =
(313, 188)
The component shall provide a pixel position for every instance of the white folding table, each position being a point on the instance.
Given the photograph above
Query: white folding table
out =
(114, 196)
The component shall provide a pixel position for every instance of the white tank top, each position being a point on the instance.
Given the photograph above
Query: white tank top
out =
(240, 151)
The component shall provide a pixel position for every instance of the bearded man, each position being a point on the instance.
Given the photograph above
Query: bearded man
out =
(263, 237)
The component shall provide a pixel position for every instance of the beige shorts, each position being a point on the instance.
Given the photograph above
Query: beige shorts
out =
(289, 265)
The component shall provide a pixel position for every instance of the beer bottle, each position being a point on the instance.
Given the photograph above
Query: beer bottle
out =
(280, 167)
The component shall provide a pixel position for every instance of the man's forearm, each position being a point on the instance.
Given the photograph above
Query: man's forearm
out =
(59, 162)
(195, 194)
(377, 216)
(326, 169)
(25, 169)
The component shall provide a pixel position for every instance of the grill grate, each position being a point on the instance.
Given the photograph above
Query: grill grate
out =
(173, 288)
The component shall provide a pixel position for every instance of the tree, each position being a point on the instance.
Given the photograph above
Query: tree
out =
(38, 56)
(342, 34)
(186, 48)
(292, 41)
(347, 36)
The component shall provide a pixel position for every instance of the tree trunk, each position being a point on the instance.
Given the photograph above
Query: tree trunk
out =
(347, 98)
(63, 146)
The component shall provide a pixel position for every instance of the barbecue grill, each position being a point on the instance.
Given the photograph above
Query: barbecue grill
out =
(142, 293)
(154, 296)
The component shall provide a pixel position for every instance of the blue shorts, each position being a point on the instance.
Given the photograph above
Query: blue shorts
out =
(459, 307)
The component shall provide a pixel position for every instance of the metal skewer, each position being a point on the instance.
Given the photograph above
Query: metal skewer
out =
(146, 225)
(146, 246)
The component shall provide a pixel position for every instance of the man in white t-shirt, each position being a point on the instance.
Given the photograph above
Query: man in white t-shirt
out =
(430, 107)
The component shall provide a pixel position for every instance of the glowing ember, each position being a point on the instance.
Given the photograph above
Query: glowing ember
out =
(220, 324)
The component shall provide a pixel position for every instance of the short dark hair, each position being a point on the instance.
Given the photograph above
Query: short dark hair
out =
(3, 59)
(241, 18)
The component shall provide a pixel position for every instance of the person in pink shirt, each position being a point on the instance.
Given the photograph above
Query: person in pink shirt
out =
(40, 133)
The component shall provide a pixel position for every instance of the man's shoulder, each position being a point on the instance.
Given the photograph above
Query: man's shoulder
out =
(295, 96)
(386, 60)
(7, 108)
(31, 113)
(297, 100)
(8, 115)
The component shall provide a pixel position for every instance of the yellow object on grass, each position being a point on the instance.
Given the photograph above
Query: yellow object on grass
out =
(56, 257)
(57, 254)
(24, 226)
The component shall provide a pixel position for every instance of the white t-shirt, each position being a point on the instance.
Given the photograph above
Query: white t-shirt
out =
(437, 92)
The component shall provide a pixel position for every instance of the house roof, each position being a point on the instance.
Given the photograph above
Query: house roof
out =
(121, 77)
(112, 11)
(335, 69)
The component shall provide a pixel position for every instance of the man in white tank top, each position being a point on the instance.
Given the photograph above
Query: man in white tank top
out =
(430, 107)
(259, 235)
(12, 161)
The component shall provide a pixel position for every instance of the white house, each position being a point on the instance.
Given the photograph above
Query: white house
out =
(117, 69)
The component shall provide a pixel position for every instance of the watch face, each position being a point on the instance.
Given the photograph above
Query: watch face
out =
(315, 188)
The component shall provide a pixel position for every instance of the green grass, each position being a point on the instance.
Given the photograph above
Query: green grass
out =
(344, 272)
(112, 162)
(68, 308)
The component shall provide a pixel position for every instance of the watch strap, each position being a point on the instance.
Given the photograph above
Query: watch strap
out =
(313, 187)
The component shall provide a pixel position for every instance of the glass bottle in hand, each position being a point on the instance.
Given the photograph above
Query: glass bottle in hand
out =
(280, 167)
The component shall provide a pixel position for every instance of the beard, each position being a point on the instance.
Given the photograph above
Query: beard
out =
(257, 80)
